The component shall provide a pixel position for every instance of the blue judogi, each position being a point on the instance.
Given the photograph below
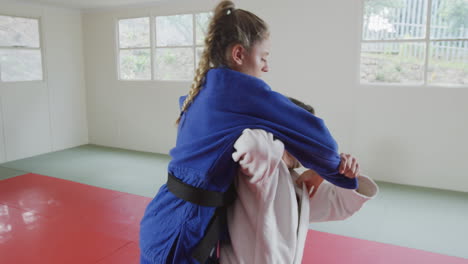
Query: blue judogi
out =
(229, 102)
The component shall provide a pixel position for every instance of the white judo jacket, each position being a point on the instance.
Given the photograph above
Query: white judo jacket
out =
(268, 222)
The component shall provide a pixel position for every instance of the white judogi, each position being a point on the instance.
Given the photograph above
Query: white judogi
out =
(269, 220)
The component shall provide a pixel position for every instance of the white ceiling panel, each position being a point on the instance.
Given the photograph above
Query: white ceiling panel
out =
(90, 4)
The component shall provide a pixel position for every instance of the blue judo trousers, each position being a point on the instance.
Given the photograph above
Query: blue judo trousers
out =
(229, 102)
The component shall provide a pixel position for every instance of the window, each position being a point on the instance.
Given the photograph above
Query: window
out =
(175, 48)
(20, 49)
(421, 42)
(135, 49)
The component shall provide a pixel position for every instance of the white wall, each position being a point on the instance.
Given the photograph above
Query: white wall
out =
(43, 116)
(404, 135)
(2, 135)
(138, 115)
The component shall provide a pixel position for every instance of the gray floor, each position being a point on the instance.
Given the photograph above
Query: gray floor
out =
(421, 218)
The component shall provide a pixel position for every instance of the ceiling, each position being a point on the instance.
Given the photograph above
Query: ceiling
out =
(90, 4)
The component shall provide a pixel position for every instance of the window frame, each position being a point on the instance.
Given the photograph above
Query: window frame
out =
(153, 45)
(118, 48)
(426, 40)
(40, 48)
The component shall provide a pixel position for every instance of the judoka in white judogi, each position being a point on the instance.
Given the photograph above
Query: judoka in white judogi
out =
(269, 221)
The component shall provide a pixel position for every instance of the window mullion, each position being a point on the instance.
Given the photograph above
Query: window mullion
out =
(118, 49)
(457, 39)
(175, 47)
(135, 48)
(427, 39)
(194, 44)
(19, 48)
(394, 40)
(152, 45)
(45, 74)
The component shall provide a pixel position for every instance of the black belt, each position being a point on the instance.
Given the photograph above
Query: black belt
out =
(208, 198)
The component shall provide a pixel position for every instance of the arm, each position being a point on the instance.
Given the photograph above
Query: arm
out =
(247, 102)
(258, 153)
(332, 203)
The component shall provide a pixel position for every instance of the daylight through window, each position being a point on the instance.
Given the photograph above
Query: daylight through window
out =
(175, 48)
(20, 49)
(422, 42)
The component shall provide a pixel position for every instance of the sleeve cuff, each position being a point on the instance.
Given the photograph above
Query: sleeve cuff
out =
(367, 187)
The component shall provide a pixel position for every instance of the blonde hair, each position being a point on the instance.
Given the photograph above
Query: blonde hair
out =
(227, 27)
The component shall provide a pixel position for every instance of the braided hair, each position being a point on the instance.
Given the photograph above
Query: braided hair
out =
(227, 27)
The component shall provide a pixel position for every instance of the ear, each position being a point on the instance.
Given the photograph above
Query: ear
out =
(237, 54)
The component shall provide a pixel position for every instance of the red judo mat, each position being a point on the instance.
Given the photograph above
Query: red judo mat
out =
(47, 220)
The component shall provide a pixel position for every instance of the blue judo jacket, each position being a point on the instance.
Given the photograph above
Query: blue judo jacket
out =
(229, 102)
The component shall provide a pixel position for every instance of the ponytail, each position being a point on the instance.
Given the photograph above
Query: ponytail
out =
(228, 26)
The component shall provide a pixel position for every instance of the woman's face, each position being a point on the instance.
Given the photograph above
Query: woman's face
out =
(253, 62)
